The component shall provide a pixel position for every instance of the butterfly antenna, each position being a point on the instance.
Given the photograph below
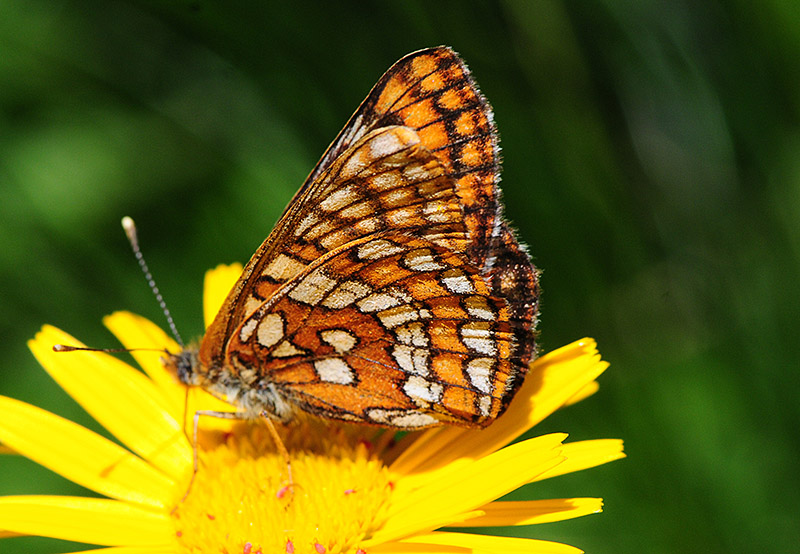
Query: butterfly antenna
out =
(130, 231)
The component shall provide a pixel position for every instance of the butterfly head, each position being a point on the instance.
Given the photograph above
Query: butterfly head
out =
(185, 366)
(251, 397)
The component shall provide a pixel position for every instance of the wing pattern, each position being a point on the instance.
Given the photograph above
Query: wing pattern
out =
(391, 291)
(387, 329)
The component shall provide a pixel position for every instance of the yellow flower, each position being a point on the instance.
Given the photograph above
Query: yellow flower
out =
(357, 489)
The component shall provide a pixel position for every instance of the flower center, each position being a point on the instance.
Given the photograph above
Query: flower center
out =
(241, 502)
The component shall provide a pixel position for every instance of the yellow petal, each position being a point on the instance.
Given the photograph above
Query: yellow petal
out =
(530, 512)
(82, 456)
(88, 520)
(405, 547)
(490, 544)
(585, 454)
(554, 378)
(131, 550)
(584, 393)
(418, 548)
(120, 398)
(424, 502)
(138, 333)
(409, 524)
(134, 331)
(218, 283)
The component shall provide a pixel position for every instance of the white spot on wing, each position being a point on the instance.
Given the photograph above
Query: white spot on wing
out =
(438, 211)
(397, 316)
(457, 282)
(365, 226)
(422, 260)
(321, 229)
(334, 370)
(485, 405)
(360, 210)
(479, 371)
(414, 420)
(312, 288)
(306, 223)
(478, 307)
(270, 330)
(402, 355)
(340, 198)
(413, 334)
(377, 249)
(340, 339)
(422, 391)
(408, 419)
(421, 361)
(386, 180)
(247, 329)
(399, 196)
(336, 238)
(252, 304)
(411, 360)
(354, 164)
(379, 301)
(283, 268)
(285, 349)
(345, 294)
(392, 141)
(478, 336)
(400, 217)
(415, 172)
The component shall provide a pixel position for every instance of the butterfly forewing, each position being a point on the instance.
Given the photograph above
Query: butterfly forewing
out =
(391, 291)
(432, 92)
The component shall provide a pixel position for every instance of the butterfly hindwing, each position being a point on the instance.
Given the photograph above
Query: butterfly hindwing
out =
(381, 328)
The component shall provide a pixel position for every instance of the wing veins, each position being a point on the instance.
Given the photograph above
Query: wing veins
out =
(416, 85)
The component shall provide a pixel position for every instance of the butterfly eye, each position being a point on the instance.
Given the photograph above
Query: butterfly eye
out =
(184, 365)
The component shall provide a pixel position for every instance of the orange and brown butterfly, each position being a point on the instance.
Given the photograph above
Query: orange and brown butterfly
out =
(391, 291)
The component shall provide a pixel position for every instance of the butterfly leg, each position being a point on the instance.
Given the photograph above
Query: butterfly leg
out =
(285, 453)
(239, 415)
(195, 425)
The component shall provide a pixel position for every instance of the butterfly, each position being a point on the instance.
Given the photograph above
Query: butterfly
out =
(391, 291)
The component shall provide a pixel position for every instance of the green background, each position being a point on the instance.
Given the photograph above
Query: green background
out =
(651, 162)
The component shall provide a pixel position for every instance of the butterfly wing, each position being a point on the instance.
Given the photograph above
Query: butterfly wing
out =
(419, 156)
(389, 329)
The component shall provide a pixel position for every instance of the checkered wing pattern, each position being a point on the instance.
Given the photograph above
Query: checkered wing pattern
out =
(388, 329)
(413, 177)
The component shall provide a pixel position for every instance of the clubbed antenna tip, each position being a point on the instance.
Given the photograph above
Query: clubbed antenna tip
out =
(130, 231)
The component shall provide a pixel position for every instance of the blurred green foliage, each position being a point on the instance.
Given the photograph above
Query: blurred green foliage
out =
(651, 161)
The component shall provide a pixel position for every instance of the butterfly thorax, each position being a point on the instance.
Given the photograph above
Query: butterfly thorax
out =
(250, 398)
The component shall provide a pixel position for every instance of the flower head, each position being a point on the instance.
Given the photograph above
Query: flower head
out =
(355, 489)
